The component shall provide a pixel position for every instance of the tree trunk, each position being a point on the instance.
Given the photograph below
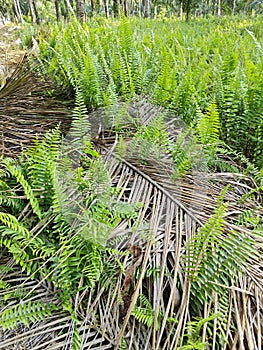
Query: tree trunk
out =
(233, 7)
(187, 6)
(93, 6)
(116, 8)
(147, 9)
(58, 10)
(81, 12)
(219, 8)
(181, 10)
(126, 8)
(155, 12)
(17, 11)
(36, 11)
(106, 6)
(68, 9)
(32, 13)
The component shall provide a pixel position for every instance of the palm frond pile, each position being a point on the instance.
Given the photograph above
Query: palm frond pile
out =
(26, 110)
(132, 255)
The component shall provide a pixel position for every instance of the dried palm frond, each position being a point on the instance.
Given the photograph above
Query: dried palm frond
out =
(26, 110)
(173, 211)
(148, 303)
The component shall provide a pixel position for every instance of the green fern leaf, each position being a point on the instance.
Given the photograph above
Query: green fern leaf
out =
(208, 126)
(14, 171)
(30, 312)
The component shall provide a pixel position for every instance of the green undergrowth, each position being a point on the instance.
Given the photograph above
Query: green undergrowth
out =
(57, 214)
(183, 67)
(56, 232)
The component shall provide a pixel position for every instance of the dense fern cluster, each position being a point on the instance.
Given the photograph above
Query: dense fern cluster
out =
(51, 233)
(183, 67)
(59, 207)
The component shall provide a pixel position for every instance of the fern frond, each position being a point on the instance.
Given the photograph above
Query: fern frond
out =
(208, 126)
(151, 140)
(8, 196)
(17, 173)
(41, 160)
(194, 340)
(29, 312)
(144, 313)
(214, 257)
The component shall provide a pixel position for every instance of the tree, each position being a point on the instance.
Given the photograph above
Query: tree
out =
(93, 6)
(147, 9)
(5, 10)
(17, 10)
(188, 7)
(80, 9)
(34, 11)
(106, 7)
(68, 9)
(125, 7)
(58, 10)
(116, 8)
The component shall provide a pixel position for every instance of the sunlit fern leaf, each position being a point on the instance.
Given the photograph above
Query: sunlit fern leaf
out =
(40, 162)
(182, 154)
(80, 127)
(194, 340)
(25, 313)
(208, 126)
(17, 173)
(76, 338)
(214, 256)
(143, 311)
(18, 240)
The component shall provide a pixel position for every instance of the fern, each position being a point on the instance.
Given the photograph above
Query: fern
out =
(40, 162)
(194, 341)
(27, 313)
(8, 197)
(184, 98)
(208, 126)
(150, 141)
(123, 345)
(14, 171)
(181, 154)
(76, 339)
(222, 311)
(19, 241)
(69, 209)
(144, 313)
(110, 94)
(4, 284)
(213, 256)
(166, 82)
(93, 265)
